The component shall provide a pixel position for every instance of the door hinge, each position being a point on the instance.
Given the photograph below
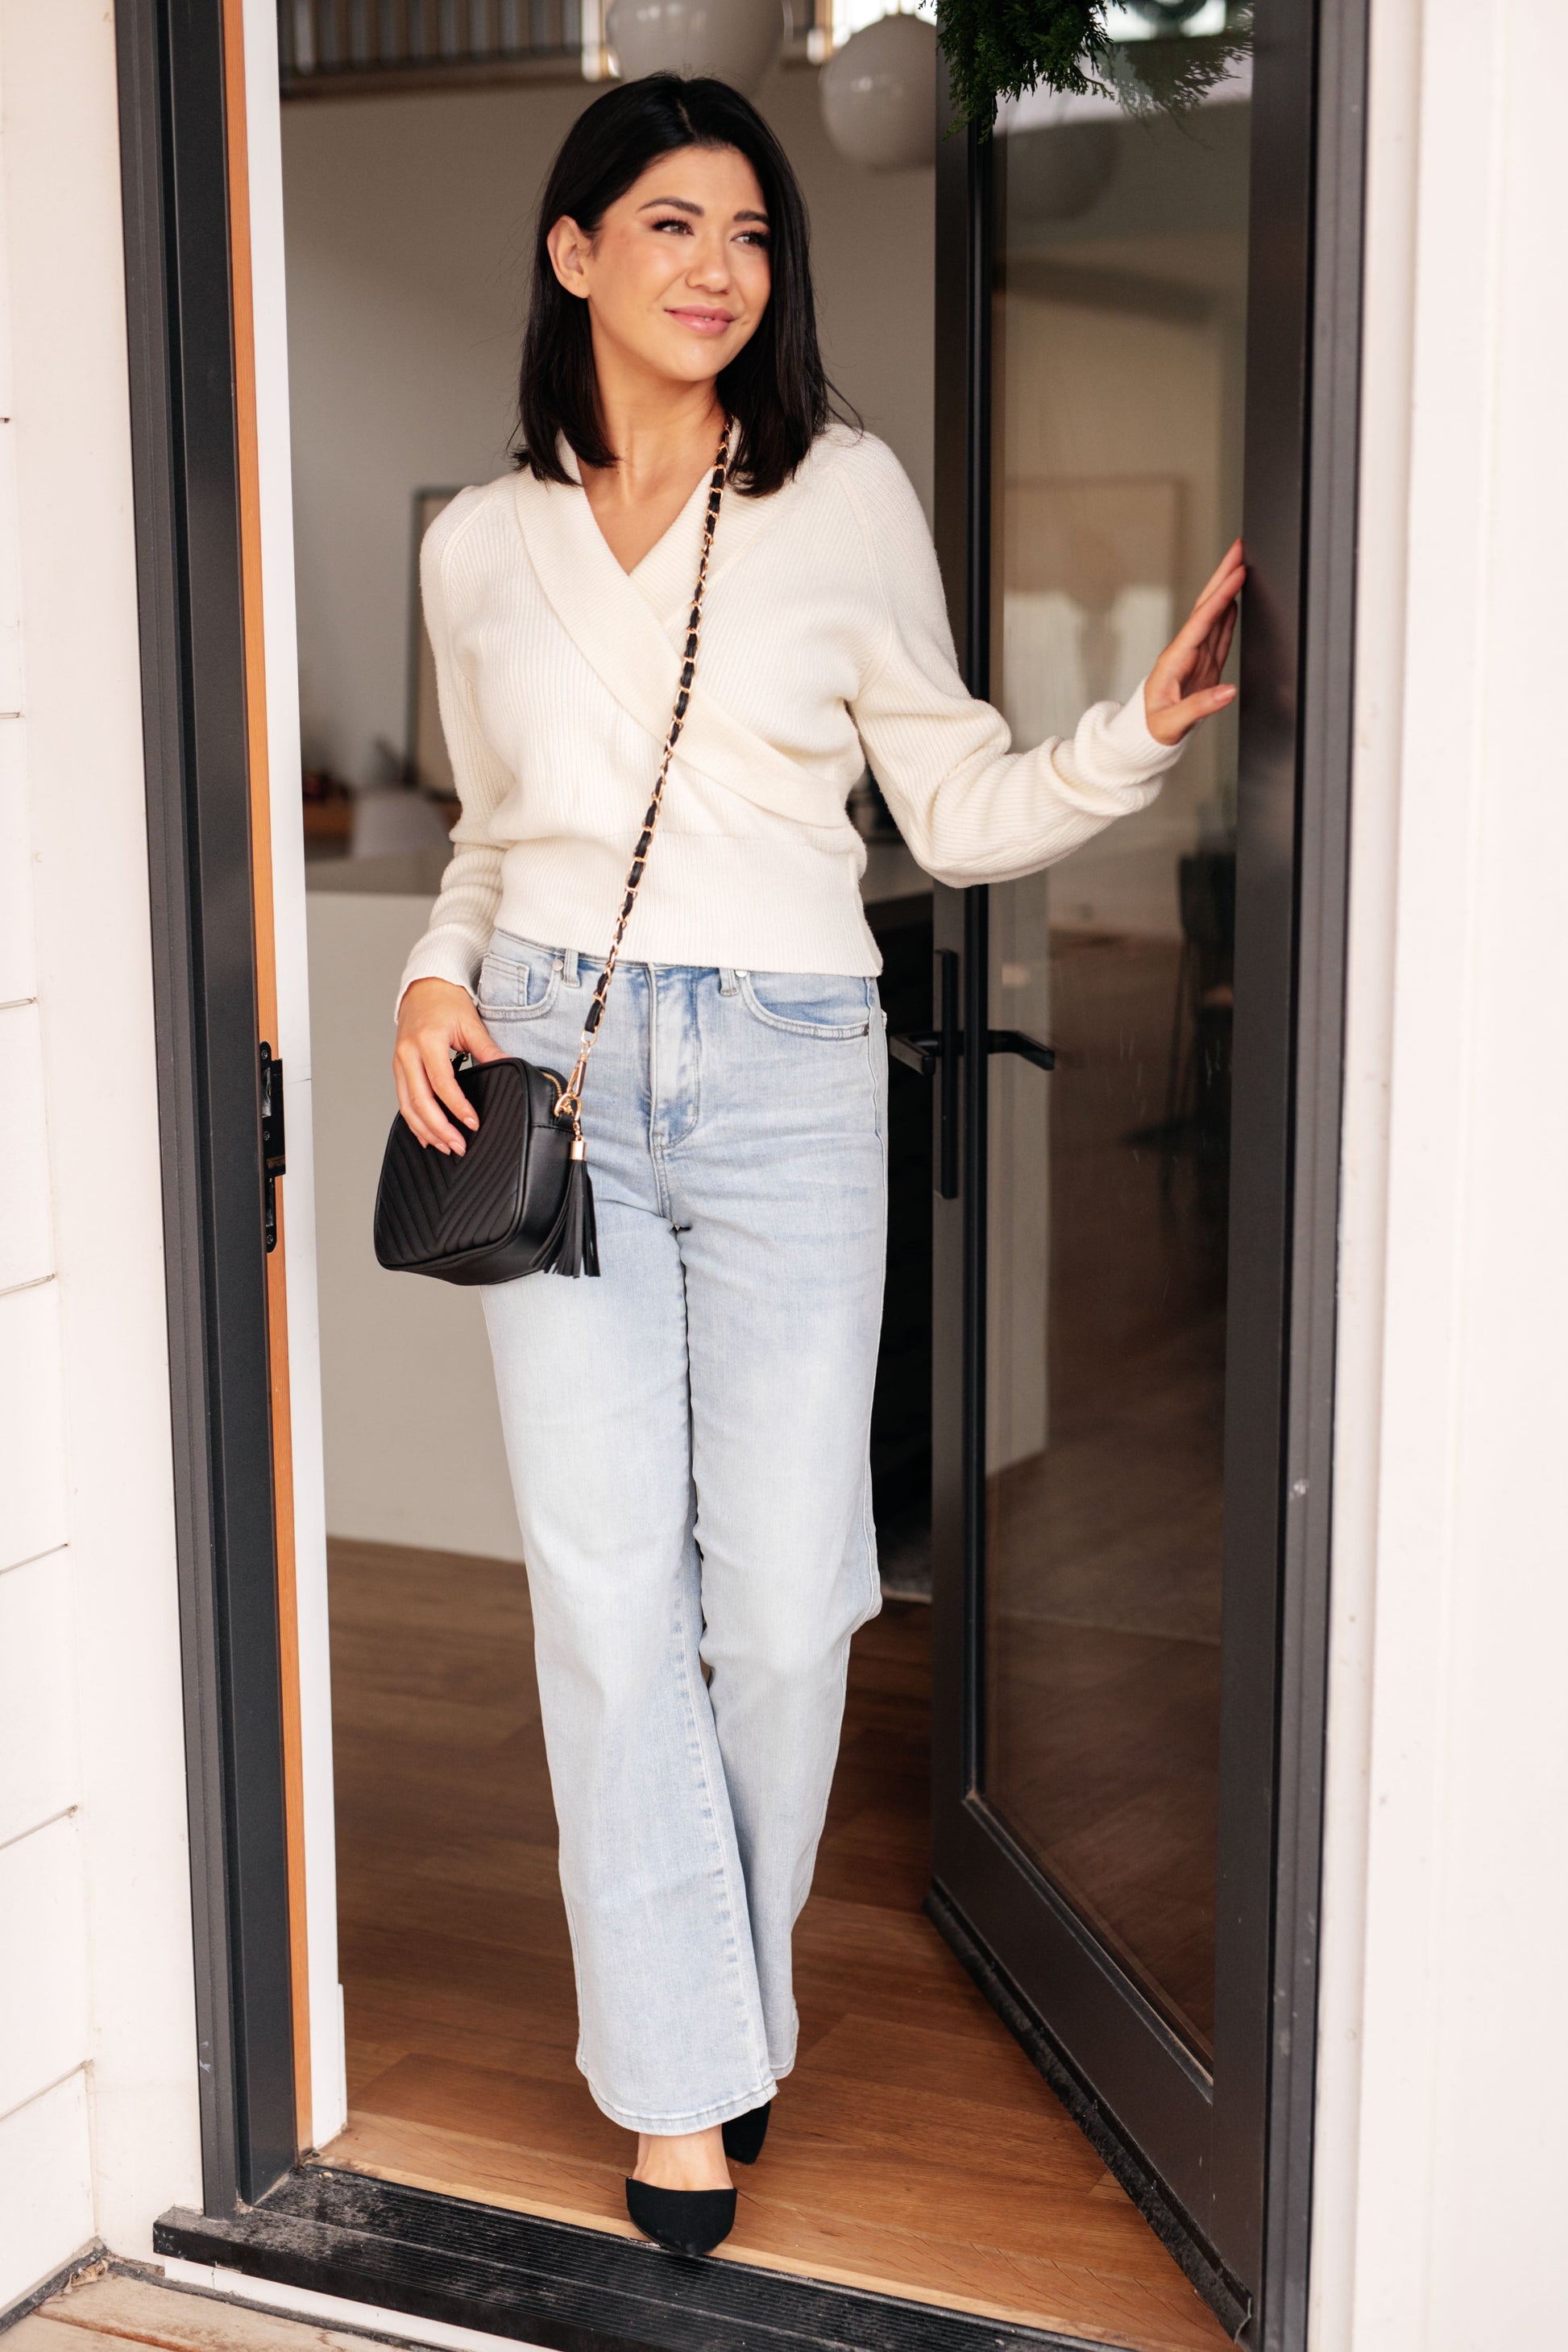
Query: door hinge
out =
(273, 1163)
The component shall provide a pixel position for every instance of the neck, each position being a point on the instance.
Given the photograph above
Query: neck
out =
(657, 425)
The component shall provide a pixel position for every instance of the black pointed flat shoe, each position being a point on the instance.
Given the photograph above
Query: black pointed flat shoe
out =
(744, 2134)
(687, 2220)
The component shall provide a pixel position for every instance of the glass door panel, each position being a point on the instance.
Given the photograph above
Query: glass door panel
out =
(1118, 330)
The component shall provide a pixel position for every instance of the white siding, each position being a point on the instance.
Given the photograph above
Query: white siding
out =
(1445, 2071)
(46, 2185)
(43, 1961)
(27, 1249)
(15, 857)
(40, 1770)
(32, 1427)
(98, 2093)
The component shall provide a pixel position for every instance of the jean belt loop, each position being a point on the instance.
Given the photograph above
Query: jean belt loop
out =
(569, 968)
(728, 984)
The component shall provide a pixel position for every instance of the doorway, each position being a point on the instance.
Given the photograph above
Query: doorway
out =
(1039, 2215)
(405, 223)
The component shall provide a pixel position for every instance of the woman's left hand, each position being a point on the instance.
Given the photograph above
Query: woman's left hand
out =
(1184, 685)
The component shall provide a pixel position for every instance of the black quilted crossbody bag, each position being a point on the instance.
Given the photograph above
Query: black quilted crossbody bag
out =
(519, 1200)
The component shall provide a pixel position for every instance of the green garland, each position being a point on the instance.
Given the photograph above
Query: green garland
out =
(1002, 48)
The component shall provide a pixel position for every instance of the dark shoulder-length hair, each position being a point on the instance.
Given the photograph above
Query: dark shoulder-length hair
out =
(775, 388)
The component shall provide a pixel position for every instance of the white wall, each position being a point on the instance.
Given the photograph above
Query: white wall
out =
(98, 2078)
(409, 235)
(414, 1446)
(1444, 2064)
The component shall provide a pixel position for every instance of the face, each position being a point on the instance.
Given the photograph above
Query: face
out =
(678, 278)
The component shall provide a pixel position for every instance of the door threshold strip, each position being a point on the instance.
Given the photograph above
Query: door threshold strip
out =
(555, 2282)
(1183, 2241)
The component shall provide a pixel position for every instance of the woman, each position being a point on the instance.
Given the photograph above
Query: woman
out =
(687, 1436)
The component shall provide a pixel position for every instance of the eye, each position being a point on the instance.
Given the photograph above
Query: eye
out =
(757, 237)
(674, 221)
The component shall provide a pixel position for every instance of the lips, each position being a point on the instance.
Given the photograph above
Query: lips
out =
(704, 322)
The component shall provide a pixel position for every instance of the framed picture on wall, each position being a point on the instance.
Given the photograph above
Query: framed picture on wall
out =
(428, 765)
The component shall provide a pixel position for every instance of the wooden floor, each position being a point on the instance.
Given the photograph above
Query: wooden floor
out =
(914, 2149)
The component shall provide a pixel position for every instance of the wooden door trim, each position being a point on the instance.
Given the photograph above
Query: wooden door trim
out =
(252, 599)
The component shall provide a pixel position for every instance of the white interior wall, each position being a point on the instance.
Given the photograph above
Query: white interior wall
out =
(414, 1446)
(1444, 2070)
(98, 2074)
(409, 237)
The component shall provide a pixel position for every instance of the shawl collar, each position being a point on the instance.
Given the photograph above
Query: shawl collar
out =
(615, 629)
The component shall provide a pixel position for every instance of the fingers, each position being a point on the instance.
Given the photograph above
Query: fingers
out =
(436, 1020)
(417, 1099)
(1196, 656)
(1177, 719)
(1199, 649)
(476, 1039)
(1209, 658)
(437, 1056)
(1218, 598)
(1226, 632)
(1231, 560)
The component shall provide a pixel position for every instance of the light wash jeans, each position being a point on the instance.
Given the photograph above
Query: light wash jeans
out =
(688, 1438)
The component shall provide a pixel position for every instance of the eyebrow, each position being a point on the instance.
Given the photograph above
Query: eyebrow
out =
(684, 205)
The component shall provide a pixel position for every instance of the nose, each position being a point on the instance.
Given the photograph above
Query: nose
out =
(710, 265)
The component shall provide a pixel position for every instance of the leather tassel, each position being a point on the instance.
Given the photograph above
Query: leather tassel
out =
(590, 1229)
(574, 1245)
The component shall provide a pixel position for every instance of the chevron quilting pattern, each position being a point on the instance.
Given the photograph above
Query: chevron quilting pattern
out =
(431, 1207)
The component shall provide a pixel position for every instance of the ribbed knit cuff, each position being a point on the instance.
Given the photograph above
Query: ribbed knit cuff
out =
(443, 955)
(1125, 752)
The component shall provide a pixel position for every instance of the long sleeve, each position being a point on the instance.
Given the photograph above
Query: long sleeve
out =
(970, 808)
(464, 914)
(824, 643)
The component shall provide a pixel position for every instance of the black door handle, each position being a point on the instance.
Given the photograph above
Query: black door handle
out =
(920, 1053)
(923, 1051)
(1014, 1041)
(935, 1053)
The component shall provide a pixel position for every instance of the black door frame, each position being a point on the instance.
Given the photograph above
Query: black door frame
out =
(263, 2211)
(185, 472)
(1220, 2165)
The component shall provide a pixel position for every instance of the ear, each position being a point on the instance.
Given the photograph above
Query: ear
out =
(569, 251)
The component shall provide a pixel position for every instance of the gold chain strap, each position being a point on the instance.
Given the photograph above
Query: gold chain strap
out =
(569, 1101)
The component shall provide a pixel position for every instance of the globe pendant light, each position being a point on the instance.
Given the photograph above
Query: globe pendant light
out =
(734, 40)
(878, 95)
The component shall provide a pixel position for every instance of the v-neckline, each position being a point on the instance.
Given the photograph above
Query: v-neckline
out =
(609, 614)
(649, 563)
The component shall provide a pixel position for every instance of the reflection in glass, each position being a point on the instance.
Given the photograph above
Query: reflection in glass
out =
(1118, 357)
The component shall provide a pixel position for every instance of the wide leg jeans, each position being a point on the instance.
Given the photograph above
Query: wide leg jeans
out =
(688, 1438)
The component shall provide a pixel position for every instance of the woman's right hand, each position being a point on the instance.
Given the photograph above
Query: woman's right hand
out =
(434, 1021)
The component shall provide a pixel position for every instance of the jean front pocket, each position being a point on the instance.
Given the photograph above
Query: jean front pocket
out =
(829, 1005)
(519, 981)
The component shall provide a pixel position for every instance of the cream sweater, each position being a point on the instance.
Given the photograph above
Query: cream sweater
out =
(825, 644)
